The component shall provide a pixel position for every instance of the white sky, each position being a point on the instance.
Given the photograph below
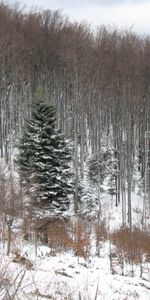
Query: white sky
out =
(119, 13)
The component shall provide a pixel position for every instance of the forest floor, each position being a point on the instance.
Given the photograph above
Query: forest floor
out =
(64, 276)
(34, 271)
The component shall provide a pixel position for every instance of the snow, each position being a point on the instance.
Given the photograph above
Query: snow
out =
(63, 276)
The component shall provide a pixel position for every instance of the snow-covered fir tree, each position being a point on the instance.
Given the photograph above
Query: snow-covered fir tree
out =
(44, 159)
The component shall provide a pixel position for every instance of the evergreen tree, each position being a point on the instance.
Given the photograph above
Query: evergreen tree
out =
(98, 162)
(44, 159)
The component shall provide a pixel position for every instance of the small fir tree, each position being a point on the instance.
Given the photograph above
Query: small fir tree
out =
(100, 162)
(44, 159)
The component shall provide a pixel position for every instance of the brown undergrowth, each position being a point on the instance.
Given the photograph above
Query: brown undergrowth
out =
(133, 247)
(66, 235)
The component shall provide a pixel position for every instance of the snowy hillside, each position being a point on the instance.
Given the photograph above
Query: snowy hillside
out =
(74, 159)
(63, 277)
(37, 271)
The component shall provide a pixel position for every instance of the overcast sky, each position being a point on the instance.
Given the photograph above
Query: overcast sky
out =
(120, 13)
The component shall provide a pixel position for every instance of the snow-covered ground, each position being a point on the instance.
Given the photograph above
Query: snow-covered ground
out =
(32, 271)
(64, 277)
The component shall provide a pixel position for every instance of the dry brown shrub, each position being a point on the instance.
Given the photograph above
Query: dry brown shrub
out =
(81, 238)
(64, 235)
(146, 246)
(101, 231)
(101, 234)
(57, 233)
(134, 243)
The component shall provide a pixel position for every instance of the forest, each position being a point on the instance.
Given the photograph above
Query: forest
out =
(98, 82)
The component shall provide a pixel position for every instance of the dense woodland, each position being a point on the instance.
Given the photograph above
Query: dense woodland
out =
(99, 82)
